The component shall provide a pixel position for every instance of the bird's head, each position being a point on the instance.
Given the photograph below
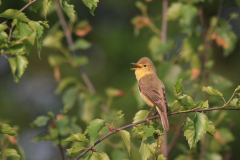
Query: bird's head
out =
(145, 66)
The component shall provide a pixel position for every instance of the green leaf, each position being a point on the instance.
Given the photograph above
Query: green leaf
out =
(68, 9)
(148, 131)
(175, 106)
(11, 154)
(195, 128)
(80, 60)
(126, 140)
(56, 60)
(161, 157)
(75, 150)
(18, 65)
(173, 11)
(205, 105)
(64, 83)
(186, 101)
(82, 44)
(226, 135)
(46, 6)
(14, 14)
(40, 121)
(39, 30)
(95, 126)
(103, 156)
(53, 40)
(62, 126)
(119, 115)
(6, 129)
(3, 27)
(42, 137)
(178, 87)
(211, 128)
(147, 147)
(91, 4)
(213, 92)
(140, 115)
(77, 138)
(70, 97)
(142, 7)
(211, 156)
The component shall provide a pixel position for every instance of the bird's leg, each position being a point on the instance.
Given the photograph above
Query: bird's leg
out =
(146, 118)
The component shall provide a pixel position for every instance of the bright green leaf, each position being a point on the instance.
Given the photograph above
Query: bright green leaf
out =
(142, 7)
(6, 129)
(175, 106)
(39, 30)
(64, 83)
(126, 140)
(53, 40)
(205, 105)
(77, 138)
(195, 128)
(237, 89)
(82, 44)
(103, 156)
(173, 11)
(68, 9)
(14, 14)
(75, 150)
(147, 147)
(213, 156)
(95, 126)
(140, 115)
(3, 27)
(213, 92)
(161, 157)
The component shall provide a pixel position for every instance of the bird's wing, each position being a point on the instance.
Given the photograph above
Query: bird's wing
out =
(151, 92)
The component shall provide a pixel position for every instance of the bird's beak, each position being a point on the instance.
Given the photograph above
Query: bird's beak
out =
(136, 65)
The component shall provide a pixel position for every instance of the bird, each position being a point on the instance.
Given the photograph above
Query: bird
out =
(152, 89)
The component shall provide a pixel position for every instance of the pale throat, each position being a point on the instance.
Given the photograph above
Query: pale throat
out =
(139, 74)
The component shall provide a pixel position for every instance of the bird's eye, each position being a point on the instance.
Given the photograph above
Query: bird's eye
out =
(145, 65)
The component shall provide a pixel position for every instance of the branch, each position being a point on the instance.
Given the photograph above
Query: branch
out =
(71, 46)
(154, 117)
(25, 7)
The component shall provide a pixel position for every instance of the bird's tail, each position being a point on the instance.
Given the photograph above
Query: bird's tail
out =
(164, 119)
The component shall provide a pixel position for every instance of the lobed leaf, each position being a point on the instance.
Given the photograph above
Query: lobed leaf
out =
(95, 126)
(126, 139)
(213, 92)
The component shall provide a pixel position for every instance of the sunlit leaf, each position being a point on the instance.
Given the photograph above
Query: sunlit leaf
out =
(211, 156)
(211, 128)
(140, 115)
(39, 30)
(178, 87)
(77, 138)
(213, 92)
(175, 106)
(126, 139)
(14, 14)
(103, 156)
(82, 44)
(11, 154)
(42, 137)
(148, 131)
(95, 126)
(3, 27)
(46, 6)
(186, 101)
(80, 60)
(173, 11)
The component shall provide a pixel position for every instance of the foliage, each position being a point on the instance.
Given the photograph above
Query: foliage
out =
(187, 64)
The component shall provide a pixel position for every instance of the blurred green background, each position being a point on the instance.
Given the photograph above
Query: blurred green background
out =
(114, 47)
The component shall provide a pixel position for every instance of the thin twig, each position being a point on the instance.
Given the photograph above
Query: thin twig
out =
(26, 6)
(60, 146)
(164, 39)
(70, 44)
(154, 117)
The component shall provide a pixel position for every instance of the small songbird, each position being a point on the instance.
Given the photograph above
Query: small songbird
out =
(151, 88)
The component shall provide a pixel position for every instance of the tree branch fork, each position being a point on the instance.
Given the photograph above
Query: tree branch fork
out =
(151, 118)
